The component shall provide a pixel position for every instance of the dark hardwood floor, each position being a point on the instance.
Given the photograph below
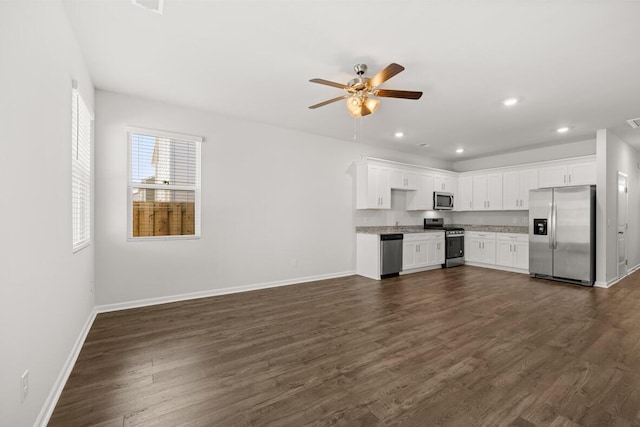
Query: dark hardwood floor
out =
(459, 347)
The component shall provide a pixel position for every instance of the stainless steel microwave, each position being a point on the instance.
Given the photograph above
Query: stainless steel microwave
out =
(442, 201)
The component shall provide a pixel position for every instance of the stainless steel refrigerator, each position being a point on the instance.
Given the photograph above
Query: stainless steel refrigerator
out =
(562, 234)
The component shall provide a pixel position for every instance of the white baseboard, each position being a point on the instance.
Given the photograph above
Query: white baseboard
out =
(496, 267)
(58, 386)
(610, 283)
(418, 270)
(215, 292)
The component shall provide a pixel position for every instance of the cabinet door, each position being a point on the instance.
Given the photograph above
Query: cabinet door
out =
(511, 190)
(521, 255)
(489, 251)
(408, 255)
(383, 188)
(445, 183)
(528, 181)
(480, 192)
(494, 191)
(553, 176)
(464, 201)
(504, 252)
(411, 180)
(581, 173)
(422, 253)
(396, 178)
(371, 188)
(473, 249)
(439, 253)
(422, 198)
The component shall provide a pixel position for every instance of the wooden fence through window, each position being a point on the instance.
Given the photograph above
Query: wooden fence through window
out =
(163, 219)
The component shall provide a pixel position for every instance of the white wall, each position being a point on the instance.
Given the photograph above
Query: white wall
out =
(46, 292)
(615, 155)
(277, 204)
(538, 154)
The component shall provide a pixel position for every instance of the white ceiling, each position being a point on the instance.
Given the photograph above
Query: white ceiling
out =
(573, 63)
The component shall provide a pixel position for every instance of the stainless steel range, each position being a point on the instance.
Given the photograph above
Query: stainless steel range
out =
(453, 241)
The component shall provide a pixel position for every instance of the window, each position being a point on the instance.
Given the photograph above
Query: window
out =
(81, 119)
(164, 185)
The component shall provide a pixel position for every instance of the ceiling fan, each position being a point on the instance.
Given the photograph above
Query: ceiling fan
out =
(360, 88)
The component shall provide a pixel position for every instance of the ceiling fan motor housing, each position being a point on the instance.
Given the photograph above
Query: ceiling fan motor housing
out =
(360, 69)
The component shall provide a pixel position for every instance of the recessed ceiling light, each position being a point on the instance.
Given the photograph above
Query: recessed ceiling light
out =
(399, 134)
(460, 150)
(510, 101)
(424, 145)
(156, 6)
(562, 129)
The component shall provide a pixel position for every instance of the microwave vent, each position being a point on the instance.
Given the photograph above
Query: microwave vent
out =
(634, 123)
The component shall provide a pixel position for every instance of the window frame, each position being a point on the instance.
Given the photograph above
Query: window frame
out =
(197, 188)
(78, 168)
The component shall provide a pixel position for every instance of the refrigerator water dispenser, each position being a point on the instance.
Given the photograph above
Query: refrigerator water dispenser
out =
(540, 226)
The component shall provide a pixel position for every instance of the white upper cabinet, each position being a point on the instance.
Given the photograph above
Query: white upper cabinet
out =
(373, 187)
(403, 179)
(583, 173)
(580, 173)
(464, 199)
(516, 186)
(487, 192)
(422, 198)
(445, 183)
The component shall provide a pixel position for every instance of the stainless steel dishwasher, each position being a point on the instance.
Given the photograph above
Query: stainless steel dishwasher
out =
(390, 255)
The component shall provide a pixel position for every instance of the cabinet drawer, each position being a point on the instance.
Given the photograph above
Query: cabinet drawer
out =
(412, 237)
(480, 234)
(513, 237)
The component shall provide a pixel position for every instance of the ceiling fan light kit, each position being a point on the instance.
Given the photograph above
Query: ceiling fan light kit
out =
(360, 88)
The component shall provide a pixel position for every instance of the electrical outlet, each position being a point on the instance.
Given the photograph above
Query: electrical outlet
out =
(24, 386)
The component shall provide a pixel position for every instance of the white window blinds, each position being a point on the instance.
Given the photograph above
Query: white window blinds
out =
(81, 119)
(164, 185)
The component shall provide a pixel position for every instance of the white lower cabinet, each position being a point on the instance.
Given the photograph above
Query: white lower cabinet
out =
(480, 247)
(513, 250)
(509, 251)
(421, 250)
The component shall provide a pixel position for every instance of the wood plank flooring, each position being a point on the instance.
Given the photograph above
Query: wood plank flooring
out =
(459, 347)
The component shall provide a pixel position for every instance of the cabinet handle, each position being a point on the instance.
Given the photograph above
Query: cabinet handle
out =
(569, 178)
(488, 203)
(510, 248)
(515, 248)
(482, 245)
(565, 178)
(470, 205)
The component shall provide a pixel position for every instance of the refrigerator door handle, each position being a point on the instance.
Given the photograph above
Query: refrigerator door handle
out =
(551, 226)
(555, 220)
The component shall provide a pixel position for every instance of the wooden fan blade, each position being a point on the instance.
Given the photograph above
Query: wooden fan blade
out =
(322, 104)
(384, 75)
(390, 93)
(329, 83)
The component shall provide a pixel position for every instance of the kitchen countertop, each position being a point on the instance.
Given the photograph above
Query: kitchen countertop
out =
(394, 229)
(496, 228)
(420, 229)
